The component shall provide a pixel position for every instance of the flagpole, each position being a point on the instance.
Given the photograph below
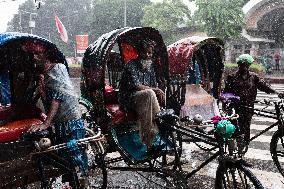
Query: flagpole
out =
(124, 13)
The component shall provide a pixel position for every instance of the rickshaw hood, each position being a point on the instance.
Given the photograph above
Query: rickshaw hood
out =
(7, 39)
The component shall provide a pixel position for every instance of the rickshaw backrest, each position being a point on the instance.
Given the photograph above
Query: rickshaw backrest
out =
(117, 61)
(129, 52)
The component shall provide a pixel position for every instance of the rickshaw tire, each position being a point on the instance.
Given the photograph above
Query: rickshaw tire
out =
(222, 169)
(278, 135)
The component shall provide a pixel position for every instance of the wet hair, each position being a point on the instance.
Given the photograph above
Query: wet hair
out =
(147, 43)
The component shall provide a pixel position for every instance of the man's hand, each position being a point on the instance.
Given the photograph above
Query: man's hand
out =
(160, 95)
(40, 127)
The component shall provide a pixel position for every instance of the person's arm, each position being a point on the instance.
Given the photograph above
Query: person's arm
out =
(264, 86)
(51, 113)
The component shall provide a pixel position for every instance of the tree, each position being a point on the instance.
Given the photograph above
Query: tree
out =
(220, 18)
(93, 17)
(166, 17)
(72, 13)
(108, 15)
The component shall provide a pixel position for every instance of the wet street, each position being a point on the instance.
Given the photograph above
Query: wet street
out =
(258, 156)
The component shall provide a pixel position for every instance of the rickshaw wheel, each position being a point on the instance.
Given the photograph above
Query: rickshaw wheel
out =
(235, 176)
(85, 108)
(277, 150)
(169, 165)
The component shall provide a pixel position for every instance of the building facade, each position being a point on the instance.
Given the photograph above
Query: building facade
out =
(263, 34)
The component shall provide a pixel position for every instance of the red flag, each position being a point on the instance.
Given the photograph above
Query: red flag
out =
(61, 29)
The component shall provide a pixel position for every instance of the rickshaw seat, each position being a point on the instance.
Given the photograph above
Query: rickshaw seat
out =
(12, 130)
(118, 114)
(115, 109)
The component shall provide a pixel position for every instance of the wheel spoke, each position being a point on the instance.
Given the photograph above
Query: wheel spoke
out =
(228, 180)
(243, 179)
(236, 178)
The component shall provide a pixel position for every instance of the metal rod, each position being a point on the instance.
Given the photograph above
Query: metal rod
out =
(203, 164)
(125, 11)
(188, 132)
(265, 130)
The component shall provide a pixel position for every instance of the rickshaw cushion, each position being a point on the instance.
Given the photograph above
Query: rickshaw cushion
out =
(12, 131)
(119, 115)
(110, 95)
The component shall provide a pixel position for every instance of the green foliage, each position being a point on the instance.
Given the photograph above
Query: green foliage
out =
(72, 14)
(93, 17)
(74, 65)
(220, 18)
(232, 67)
(108, 15)
(257, 68)
(166, 17)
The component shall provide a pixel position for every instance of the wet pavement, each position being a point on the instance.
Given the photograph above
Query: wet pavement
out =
(258, 156)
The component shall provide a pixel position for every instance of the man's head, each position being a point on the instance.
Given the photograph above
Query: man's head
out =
(41, 62)
(244, 61)
(147, 50)
(41, 55)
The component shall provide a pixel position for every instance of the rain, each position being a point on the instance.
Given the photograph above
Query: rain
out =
(74, 76)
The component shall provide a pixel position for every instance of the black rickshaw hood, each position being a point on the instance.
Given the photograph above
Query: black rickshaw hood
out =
(97, 53)
(12, 41)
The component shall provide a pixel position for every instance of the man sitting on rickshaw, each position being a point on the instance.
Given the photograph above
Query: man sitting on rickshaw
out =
(139, 91)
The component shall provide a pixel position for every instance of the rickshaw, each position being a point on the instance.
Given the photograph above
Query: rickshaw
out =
(102, 67)
(25, 157)
(196, 67)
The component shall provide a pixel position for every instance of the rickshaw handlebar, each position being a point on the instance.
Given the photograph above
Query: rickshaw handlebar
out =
(79, 142)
